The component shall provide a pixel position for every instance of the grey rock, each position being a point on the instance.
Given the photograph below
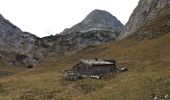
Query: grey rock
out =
(98, 27)
(22, 48)
(97, 20)
(70, 43)
(155, 98)
(144, 14)
(18, 47)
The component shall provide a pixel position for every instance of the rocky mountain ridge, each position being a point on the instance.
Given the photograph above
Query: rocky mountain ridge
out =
(98, 27)
(97, 20)
(18, 47)
(22, 48)
(70, 43)
(149, 19)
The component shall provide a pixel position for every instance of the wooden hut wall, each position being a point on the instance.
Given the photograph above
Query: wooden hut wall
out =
(102, 69)
(86, 69)
(82, 68)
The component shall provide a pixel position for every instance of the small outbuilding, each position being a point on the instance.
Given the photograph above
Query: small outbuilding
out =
(94, 67)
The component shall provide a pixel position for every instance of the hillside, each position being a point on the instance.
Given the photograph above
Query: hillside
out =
(149, 19)
(145, 52)
(148, 76)
(17, 47)
(8, 70)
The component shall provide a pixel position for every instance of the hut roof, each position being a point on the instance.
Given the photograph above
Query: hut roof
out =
(96, 62)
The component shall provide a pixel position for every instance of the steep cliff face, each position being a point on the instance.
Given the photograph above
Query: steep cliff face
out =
(150, 18)
(17, 47)
(97, 20)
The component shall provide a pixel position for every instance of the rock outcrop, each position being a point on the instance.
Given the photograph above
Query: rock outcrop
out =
(69, 43)
(150, 18)
(18, 47)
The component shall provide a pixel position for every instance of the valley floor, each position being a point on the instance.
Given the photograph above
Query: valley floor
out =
(148, 76)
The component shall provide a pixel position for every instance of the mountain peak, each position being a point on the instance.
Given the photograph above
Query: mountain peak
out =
(97, 12)
(101, 17)
(97, 20)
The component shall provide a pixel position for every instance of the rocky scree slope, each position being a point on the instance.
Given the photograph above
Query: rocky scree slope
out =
(151, 18)
(18, 47)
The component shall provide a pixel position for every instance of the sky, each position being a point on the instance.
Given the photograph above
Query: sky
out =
(50, 17)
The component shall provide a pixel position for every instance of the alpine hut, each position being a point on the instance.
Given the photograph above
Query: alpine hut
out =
(94, 67)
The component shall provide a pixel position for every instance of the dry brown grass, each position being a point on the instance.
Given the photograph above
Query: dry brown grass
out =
(148, 62)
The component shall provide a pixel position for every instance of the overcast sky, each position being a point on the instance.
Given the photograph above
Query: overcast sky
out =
(46, 17)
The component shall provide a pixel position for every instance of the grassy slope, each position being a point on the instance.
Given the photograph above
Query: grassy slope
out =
(6, 69)
(148, 62)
